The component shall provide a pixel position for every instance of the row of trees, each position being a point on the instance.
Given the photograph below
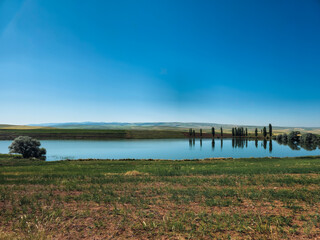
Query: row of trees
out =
(192, 132)
(239, 132)
(236, 132)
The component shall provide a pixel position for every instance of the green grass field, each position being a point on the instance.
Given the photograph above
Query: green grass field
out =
(102, 134)
(204, 199)
(87, 134)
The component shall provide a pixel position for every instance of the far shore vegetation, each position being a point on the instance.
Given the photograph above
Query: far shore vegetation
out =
(10, 133)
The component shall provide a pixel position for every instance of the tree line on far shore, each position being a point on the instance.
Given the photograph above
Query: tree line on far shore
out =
(236, 132)
(294, 139)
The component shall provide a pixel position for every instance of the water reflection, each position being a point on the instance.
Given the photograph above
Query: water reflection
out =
(264, 143)
(239, 143)
(309, 146)
(293, 145)
(296, 145)
(244, 143)
(270, 146)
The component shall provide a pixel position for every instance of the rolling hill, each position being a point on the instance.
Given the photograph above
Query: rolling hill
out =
(177, 126)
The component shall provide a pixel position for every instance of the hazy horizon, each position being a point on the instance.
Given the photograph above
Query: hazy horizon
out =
(162, 122)
(229, 62)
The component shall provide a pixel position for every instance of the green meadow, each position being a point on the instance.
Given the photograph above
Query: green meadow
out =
(199, 199)
(87, 134)
(105, 134)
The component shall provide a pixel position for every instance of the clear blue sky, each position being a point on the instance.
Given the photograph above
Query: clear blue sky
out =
(223, 61)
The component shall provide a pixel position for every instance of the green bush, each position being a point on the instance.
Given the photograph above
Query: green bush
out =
(27, 147)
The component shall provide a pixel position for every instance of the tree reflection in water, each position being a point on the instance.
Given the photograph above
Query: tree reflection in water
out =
(239, 142)
(270, 146)
(297, 145)
(264, 143)
(213, 144)
(309, 146)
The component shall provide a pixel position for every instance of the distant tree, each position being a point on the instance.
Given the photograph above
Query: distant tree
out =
(270, 130)
(213, 132)
(194, 133)
(256, 132)
(293, 136)
(309, 141)
(27, 147)
(247, 132)
(221, 132)
(232, 132)
(200, 132)
(264, 131)
(261, 130)
(190, 132)
(279, 138)
(309, 138)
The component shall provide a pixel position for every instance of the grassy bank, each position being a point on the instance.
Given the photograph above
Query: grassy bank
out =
(205, 199)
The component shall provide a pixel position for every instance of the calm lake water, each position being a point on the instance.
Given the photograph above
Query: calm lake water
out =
(165, 149)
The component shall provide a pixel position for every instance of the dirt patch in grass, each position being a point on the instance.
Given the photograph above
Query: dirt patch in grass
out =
(135, 173)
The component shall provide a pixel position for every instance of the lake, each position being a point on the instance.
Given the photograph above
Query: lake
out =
(166, 149)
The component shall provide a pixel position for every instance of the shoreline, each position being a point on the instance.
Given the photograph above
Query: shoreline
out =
(18, 157)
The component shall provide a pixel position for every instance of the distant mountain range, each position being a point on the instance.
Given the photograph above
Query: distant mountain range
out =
(159, 126)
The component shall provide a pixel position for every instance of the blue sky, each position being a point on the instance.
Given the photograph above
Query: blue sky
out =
(223, 61)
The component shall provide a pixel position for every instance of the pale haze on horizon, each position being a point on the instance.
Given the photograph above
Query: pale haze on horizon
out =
(229, 62)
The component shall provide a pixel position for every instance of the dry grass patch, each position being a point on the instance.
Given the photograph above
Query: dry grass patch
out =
(135, 173)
